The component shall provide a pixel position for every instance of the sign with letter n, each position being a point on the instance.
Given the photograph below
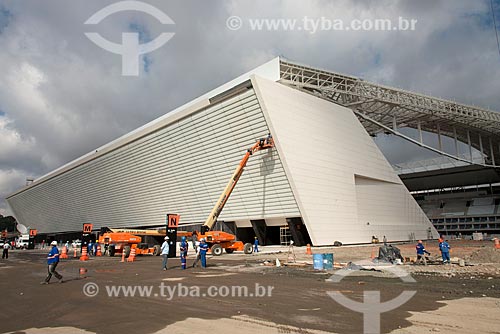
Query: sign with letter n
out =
(172, 224)
(173, 220)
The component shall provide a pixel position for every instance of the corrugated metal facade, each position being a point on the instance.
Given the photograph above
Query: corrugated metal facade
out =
(181, 168)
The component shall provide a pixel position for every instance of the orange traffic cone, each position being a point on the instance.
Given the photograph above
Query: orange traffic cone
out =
(123, 256)
(308, 249)
(373, 254)
(497, 243)
(131, 257)
(98, 251)
(84, 256)
(64, 254)
(83, 271)
(74, 252)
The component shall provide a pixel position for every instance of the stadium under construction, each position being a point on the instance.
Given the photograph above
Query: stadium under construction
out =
(325, 180)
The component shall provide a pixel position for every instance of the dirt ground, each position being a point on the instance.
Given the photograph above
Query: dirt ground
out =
(448, 299)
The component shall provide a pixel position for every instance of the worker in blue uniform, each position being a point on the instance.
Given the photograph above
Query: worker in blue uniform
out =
(256, 245)
(444, 247)
(184, 250)
(52, 262)
(421, 251)
(203, 252)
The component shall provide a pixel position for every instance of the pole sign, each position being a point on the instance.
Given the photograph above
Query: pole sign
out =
(172, 224)
(4, 234)
(87, 230)
(33, 233)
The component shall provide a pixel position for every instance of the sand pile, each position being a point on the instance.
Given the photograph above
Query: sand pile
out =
(485, 255)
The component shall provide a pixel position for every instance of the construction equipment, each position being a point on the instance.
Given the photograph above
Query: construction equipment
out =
(219, 240)
(120, 241)
(123, 240)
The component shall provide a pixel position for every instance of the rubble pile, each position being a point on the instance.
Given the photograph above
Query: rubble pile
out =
(485, 255)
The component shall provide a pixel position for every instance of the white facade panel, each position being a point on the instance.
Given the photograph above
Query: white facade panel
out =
(323, 147)
(181, 168)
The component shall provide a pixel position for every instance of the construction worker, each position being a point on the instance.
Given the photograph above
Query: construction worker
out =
(269, 139)
(444, 247)
(197, 249)
(90, 248)
(52, 262)
(6, 246)
(256, 245)
(203, 252)
(164, 252)
(184, 250)
(421, 253)
(194, 240)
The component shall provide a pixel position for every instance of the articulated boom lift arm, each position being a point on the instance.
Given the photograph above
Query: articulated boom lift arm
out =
(261, 144)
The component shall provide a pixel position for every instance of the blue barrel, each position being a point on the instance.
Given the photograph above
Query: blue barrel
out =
(327, 261)
(318, 261)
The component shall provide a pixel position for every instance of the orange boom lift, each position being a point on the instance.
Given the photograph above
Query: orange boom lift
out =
(218, 240)
(121, 241)
(124, 240)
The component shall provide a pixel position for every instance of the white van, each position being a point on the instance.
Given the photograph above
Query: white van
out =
(23, 241)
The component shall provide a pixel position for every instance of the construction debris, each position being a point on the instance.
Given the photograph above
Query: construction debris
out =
(485, 255)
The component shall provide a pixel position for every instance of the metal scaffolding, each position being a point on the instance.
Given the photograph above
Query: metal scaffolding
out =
(385, 109)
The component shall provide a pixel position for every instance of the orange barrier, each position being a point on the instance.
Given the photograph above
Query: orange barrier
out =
(131, 257)
(64, 254)
(308, 249)
(497, 243)
(98, 251)
(74, 252)
(84, 256)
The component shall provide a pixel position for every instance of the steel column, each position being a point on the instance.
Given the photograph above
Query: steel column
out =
(491, 152)
(470, 145)
(420, 136)
(440, 144)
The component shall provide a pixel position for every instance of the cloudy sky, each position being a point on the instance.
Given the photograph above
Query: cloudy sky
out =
(62, 96)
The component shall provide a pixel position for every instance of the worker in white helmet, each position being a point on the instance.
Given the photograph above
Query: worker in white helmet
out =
(164, 252)
(52, 262)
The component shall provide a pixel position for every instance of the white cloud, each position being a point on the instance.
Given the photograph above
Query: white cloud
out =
(10, 180)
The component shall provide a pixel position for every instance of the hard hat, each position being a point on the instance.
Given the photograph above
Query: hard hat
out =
(166, 238)
(202, 239)
(53, 243)
(183, 238)
(420, 241)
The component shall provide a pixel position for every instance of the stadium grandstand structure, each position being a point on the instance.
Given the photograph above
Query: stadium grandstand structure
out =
(463, 211)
